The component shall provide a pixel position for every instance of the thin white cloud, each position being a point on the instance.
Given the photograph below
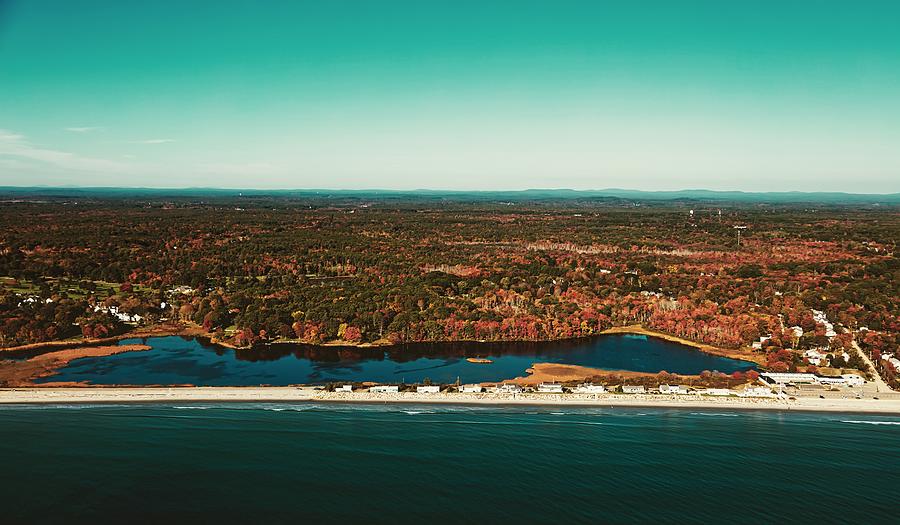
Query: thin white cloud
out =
(153, 141)
(15, 147)
(9, 136)
(84, 129)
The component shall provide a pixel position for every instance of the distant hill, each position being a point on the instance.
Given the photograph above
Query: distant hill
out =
(16, 192)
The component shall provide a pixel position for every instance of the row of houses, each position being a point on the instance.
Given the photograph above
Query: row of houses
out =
(125, 317)
(819, 356)
(504, 388)
(584, 388)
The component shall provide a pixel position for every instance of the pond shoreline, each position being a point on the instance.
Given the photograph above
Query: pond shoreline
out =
(192, 330)
(20, 372)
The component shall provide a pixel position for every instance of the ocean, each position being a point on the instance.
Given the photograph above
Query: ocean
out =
(343, 463)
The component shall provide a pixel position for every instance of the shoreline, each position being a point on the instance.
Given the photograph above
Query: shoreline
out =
(638, 329)
(185, 330)
(129, 395)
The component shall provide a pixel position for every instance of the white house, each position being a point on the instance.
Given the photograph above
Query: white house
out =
(509, 388)
(756, 391)
(428, 389)
(589, 388)
(344, 388)
(384, 389)
(815, 357)
(633, 389)
(471, 389)
(716, 392)
(757, 345)
(550, 388)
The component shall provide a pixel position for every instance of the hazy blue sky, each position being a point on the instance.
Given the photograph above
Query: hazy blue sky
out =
(452, 94)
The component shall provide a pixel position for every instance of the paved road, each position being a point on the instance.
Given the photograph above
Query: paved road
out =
(880, 385)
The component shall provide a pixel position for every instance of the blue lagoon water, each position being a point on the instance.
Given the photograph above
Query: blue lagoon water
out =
(316, 463)
(177, 360)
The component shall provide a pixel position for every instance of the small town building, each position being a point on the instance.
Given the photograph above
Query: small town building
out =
(717, 392)
(344, 388)
(756, 391)
(831, 381)
(509, 388)
(428, 389)
(815, 357)
(550, 388)
(589, 388)
(471, 389)
(783, 378)
(633, 389)
(384, 389)
(669, 389)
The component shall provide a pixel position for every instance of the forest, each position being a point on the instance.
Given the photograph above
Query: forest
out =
(363, 269)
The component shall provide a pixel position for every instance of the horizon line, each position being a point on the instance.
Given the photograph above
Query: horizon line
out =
(431, 190)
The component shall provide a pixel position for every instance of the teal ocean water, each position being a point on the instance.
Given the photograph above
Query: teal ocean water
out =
(314, 463)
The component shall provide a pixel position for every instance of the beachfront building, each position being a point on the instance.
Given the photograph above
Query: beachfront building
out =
(509, 388)
(428, 389)
(843, 379)
(672, 389)
(384, 389)
(717, 392)
(471, 389)
(589, 388)
(344, 388)
(783, 378)
(756, 391)
(633, 389)
(550, 388)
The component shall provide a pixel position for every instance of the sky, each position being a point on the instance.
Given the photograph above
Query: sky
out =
(466, 95)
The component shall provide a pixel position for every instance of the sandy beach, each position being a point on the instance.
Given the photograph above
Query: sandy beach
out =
(890, 404)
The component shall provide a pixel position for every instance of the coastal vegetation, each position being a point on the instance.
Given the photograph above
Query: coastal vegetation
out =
(364, 270)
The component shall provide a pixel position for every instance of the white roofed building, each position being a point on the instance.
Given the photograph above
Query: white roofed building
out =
(589, 388)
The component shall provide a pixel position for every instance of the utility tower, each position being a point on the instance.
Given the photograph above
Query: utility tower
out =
(739, 230)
